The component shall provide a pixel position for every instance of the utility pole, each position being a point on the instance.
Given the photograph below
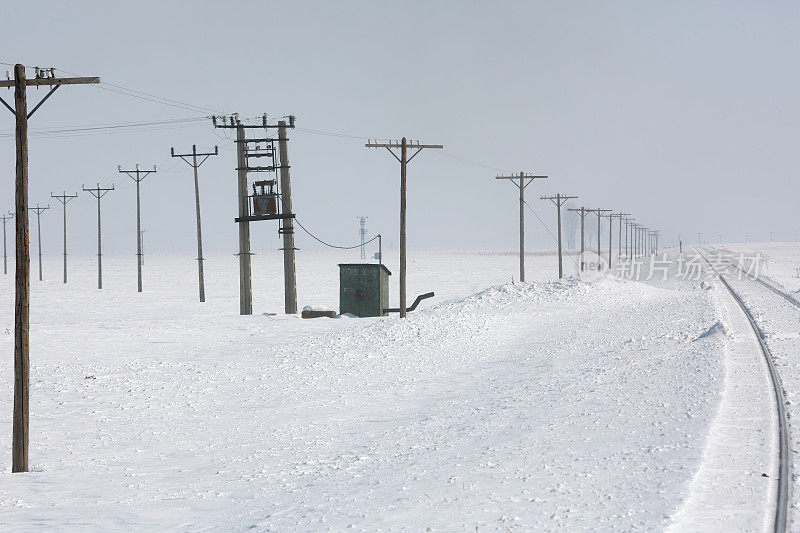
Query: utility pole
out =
(600, 214)
(628, 224)
(39, 210)
(5, 218)
(620, 216)
(771, 233)
(610, 217)
(699, 241)
(287, 224)
(64, 199)
(643, 240)
(98, 192)
(582, 212)
(362, 231)
(137, 176)
(403, 145)
(43, 78)
(523, 180)
(195, 165)
(268, 204)
(720, 238)
(558, 200)
(746, 237)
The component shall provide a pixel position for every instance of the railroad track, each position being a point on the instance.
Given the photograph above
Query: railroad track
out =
(769, 285)
(782, 507)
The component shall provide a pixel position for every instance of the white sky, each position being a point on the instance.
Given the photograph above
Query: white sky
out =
(682, 113)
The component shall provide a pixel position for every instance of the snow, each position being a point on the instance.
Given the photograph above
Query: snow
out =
(543, 406)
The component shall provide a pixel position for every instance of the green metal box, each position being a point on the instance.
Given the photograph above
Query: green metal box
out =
(363, 289)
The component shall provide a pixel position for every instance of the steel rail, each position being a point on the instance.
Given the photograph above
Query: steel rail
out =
(782, 510)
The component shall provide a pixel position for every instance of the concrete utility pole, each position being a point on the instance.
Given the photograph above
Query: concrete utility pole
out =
(273, 208)
(559, 200)
(522, 181)
(137, 176)
(64, 199)
(362, 231)
(98, 192)
(403, 146)
(5, 218)
(39, 210)
(195, 165)
(44, 78)
(582, 212)
(287, 227)
(245, 268)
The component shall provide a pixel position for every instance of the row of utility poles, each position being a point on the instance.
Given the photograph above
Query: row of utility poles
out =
(642, 240)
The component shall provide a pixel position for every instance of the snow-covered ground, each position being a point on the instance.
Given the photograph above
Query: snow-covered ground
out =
(546, 405)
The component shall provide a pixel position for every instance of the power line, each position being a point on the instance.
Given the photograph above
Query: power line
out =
(105, 127)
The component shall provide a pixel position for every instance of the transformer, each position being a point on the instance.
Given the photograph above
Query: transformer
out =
(265, 201)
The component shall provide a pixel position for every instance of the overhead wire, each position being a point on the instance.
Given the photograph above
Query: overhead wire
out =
(570, 255)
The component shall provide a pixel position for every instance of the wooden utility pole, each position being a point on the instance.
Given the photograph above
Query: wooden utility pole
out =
(620, 216)
(287, 227)
(582, 212)
(98, 192)
(64, 199)
(628, 224)
(137, 176)
(521, 181)
(39, 210)
(611, 217)
(195, 165)
(640, 245)
(403, 145)
(599, 213)
(559, 200)
(46, 78)
(5, 218)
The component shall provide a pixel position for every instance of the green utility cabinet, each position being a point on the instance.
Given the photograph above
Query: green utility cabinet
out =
(363, 289)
